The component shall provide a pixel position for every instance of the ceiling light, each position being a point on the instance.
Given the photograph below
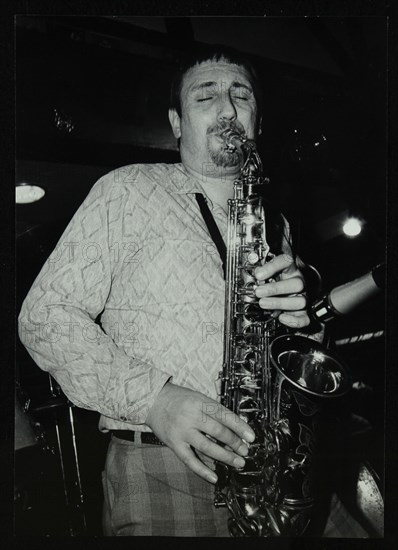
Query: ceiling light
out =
(26, 193)
(352, 227)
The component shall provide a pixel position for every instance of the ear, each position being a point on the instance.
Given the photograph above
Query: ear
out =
(175, 122)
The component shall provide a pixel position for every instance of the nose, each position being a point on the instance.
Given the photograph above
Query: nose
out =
(226, 108)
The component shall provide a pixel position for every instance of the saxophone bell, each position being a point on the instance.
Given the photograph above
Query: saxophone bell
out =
(309, 367)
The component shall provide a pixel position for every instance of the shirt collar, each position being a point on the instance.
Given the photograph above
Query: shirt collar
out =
(185, 184)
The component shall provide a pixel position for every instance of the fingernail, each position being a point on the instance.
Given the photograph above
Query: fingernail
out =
(266, 302)
(243, 450)
(249, 437)
(212, 478)
(261, 291)
(239, 462)
(289, 322)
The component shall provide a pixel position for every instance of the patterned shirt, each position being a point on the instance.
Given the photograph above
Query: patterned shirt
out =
(138, 256)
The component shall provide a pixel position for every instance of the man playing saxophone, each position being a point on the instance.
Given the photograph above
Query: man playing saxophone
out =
(150, 365)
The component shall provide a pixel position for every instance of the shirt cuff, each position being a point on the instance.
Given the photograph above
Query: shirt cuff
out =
(145, 388)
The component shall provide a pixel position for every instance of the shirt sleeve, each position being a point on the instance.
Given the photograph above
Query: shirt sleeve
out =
(57, 321)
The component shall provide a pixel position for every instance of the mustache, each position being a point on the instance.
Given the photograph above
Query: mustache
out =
(218, 127)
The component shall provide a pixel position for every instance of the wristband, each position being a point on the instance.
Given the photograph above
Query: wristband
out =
(323, 310)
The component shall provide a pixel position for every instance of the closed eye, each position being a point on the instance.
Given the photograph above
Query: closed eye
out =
(240, 97)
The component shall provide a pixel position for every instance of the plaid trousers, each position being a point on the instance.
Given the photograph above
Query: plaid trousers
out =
(148, 491)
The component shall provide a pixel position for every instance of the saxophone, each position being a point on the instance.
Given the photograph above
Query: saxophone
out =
(273, 380)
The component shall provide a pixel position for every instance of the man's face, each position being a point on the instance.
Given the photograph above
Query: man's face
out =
(215, 95)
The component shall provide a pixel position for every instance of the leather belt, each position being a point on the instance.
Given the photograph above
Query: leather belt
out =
(146, 437)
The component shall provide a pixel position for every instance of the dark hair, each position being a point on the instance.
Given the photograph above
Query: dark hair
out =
(214, 52)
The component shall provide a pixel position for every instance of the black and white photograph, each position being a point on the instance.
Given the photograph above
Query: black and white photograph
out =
(201, 249)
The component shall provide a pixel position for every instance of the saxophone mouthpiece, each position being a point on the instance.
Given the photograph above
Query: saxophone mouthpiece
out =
(233, 138)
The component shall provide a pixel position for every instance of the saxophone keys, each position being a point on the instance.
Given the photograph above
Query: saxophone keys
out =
(253, 257)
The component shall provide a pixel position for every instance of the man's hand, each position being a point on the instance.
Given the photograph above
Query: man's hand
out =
(182, 419)
(285, 293)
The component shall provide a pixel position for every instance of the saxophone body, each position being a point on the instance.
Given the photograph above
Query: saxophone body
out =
(273, 380)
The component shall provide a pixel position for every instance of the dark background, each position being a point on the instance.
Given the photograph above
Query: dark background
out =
(323, 146)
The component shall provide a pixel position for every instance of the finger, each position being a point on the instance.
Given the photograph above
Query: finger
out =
(219, 432)
(287, 303)
(185, 453)
(284, 286)
(216, 452)
(278, 264)
(295, 319)
(218, 412)
(296, 313)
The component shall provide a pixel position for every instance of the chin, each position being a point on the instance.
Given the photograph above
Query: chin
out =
(224, 159)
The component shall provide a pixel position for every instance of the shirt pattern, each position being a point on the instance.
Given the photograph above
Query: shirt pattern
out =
(138, 254)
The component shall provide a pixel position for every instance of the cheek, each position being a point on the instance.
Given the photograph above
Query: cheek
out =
(194, 133)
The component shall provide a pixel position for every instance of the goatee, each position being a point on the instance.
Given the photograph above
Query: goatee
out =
(219, 153)
(223, 158)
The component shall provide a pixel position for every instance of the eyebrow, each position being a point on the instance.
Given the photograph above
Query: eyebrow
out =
(238, 84)
(213, 84)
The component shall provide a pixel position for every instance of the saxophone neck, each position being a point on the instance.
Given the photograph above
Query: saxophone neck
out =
(253, 167)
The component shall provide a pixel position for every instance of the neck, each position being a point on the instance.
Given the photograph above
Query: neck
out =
(218, 189)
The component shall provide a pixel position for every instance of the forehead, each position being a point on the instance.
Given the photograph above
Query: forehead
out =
(214, 71)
